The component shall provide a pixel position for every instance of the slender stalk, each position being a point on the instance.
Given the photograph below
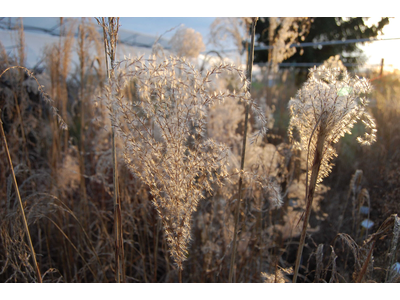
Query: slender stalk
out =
(393, 249)
(157, 229)
(81, 43)
(365, 265)
(39, 277)
(110, 44)
(310, 196)
(246, 120)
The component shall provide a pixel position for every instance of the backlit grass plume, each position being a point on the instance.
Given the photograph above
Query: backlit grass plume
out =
(326, 108)
(163, 130)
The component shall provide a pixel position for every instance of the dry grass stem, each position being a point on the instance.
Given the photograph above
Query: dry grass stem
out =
(328, 105)
(28, 235)
(110, 33)
(246, 120)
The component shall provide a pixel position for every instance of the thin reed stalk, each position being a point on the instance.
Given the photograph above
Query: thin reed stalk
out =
(110, 32)
(24, 221)
(390, 273)
(364, 268)
(310, 196)
(3, 136)
(82, 66)
(246, 121)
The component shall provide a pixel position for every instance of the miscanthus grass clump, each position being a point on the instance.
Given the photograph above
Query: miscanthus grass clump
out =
(164, 134)
(325, 109)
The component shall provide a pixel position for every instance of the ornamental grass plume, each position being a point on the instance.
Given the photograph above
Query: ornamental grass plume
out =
(326, 108)
(110, 38)
(163, 130)
(187, 42)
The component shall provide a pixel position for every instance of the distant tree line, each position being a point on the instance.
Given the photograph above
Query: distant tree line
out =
(321, 30)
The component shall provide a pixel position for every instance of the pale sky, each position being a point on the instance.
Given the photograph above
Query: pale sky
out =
(388, 50)
(158, 25)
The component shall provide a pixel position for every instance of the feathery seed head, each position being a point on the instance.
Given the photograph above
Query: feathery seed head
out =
(329, 103)
(164, 132)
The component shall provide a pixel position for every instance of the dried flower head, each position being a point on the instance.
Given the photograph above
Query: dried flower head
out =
(187, 42)
(163, 129)
(329, 104)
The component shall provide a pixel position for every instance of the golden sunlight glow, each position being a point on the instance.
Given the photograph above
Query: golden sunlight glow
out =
(388, 49)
